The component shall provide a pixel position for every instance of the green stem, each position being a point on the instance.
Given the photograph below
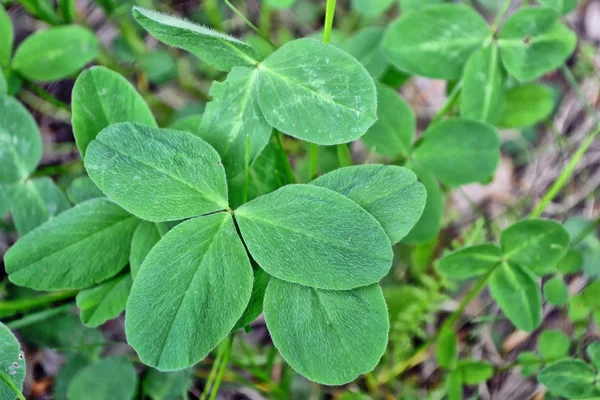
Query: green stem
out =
(584, 233)
(329, 13)
(214, 15)
(34, 318)
(213, 372)
(343, 155)
(47, 96)
(223, 367)
(284, 159)
(250, 24)
(5, 378)
(265, 20)
(313, 152)
(246, 170)
(500, 16)
(12, 307)
(575, 87)
(450, 101)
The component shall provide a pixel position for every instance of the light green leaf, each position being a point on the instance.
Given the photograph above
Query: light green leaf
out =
(371, 8)
(80, 247)
(430, 222)
(55, 53)
(330, 337)
(20, 141)
(475, 372)
(166, 385)
(217, 49)
(453, 383)
(280, 3)
(38, 200)
(446, 349)
(159, 65)
(571, 263)
(553, 344)
(316, 92)
(526, 105)
(144, 238)
(570, 378)
(83, 189)
(593, 352)
(389, 193)
(556, 292)
(110, 379)
(393, 133)
(365, 46)
(459, 151)
(316, 237)
(533, 42)
(105, 301)
(483, 82)
(102, 97)
(416, 5)
(157, 174)
(578, 308)
(6, 37)
(515, 289)
(471, 261)
(435, 41)
(536, 243)
(175, 319)
(12, 364)
(190, 124)
(7, 191)
(3, 83)
(564, 7)
(530, 363)
(255, 305)
(231, 116)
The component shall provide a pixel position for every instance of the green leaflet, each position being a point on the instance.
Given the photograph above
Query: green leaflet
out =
(190, 124)
(166, 385)
(280, 3)
(459, 151)
(80, 247)
(371, 8)
(533, 42)
(416, 5)
(74, 364)
(483, 84)
(365, 46)
(175, 319)
(446, 349)
(102, 97)
(218, 49)
(329, 337)
(537, 243)
(12, 364)
(553, 344)
(7, 191)
(516, 291)
(255, 305)
(453, 384)
(316, 92)
(144, 238)
(430, 222)
(394, 130)
(109, 379)
(3, 83)
(562, 6)
(55, 53)
(435, 41)
(105, 301)
(526, 105)
(389, 193)
(474, 372)
(6, 37)
(471, 261)
(83, 189)
(593, 352)
(556, 292)
(157, 174)
(37, 201)
(569, 378)
(159, 65)
(231, 116)
(571, 263)
(20, 141)
(316, 237)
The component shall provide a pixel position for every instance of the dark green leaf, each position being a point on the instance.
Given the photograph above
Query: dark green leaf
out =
(231, 116)
(175, 319)
(316, 237)
(166, 385)
(389, 193)
(530, 363)
(79, 248)
(55, 53)
(159, 66)
(365, 46)
(190, 124)
(459, 151)
(593, 352)
(12, 363)
(105, 301)
(371, 8)
(515, 289)
(446, 349)
(562, 6)
(217, 49)
(83, 189)
(475, 372)
(453, 385)
(110, 379)
(533, 42)
(144, 238)
(329, 337)
(255, 306)
(102, 97)
(75, 363)
(536, 243)
(471, 261)
(316, 92)
(7, 191)
(157, 174)
(435, 41)
(416, 5)
(556, 292)
(6, 37)
(20, 141)
(526, 105)
(393, 133)
(569, 378)
(571, 263)
(430, 222)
